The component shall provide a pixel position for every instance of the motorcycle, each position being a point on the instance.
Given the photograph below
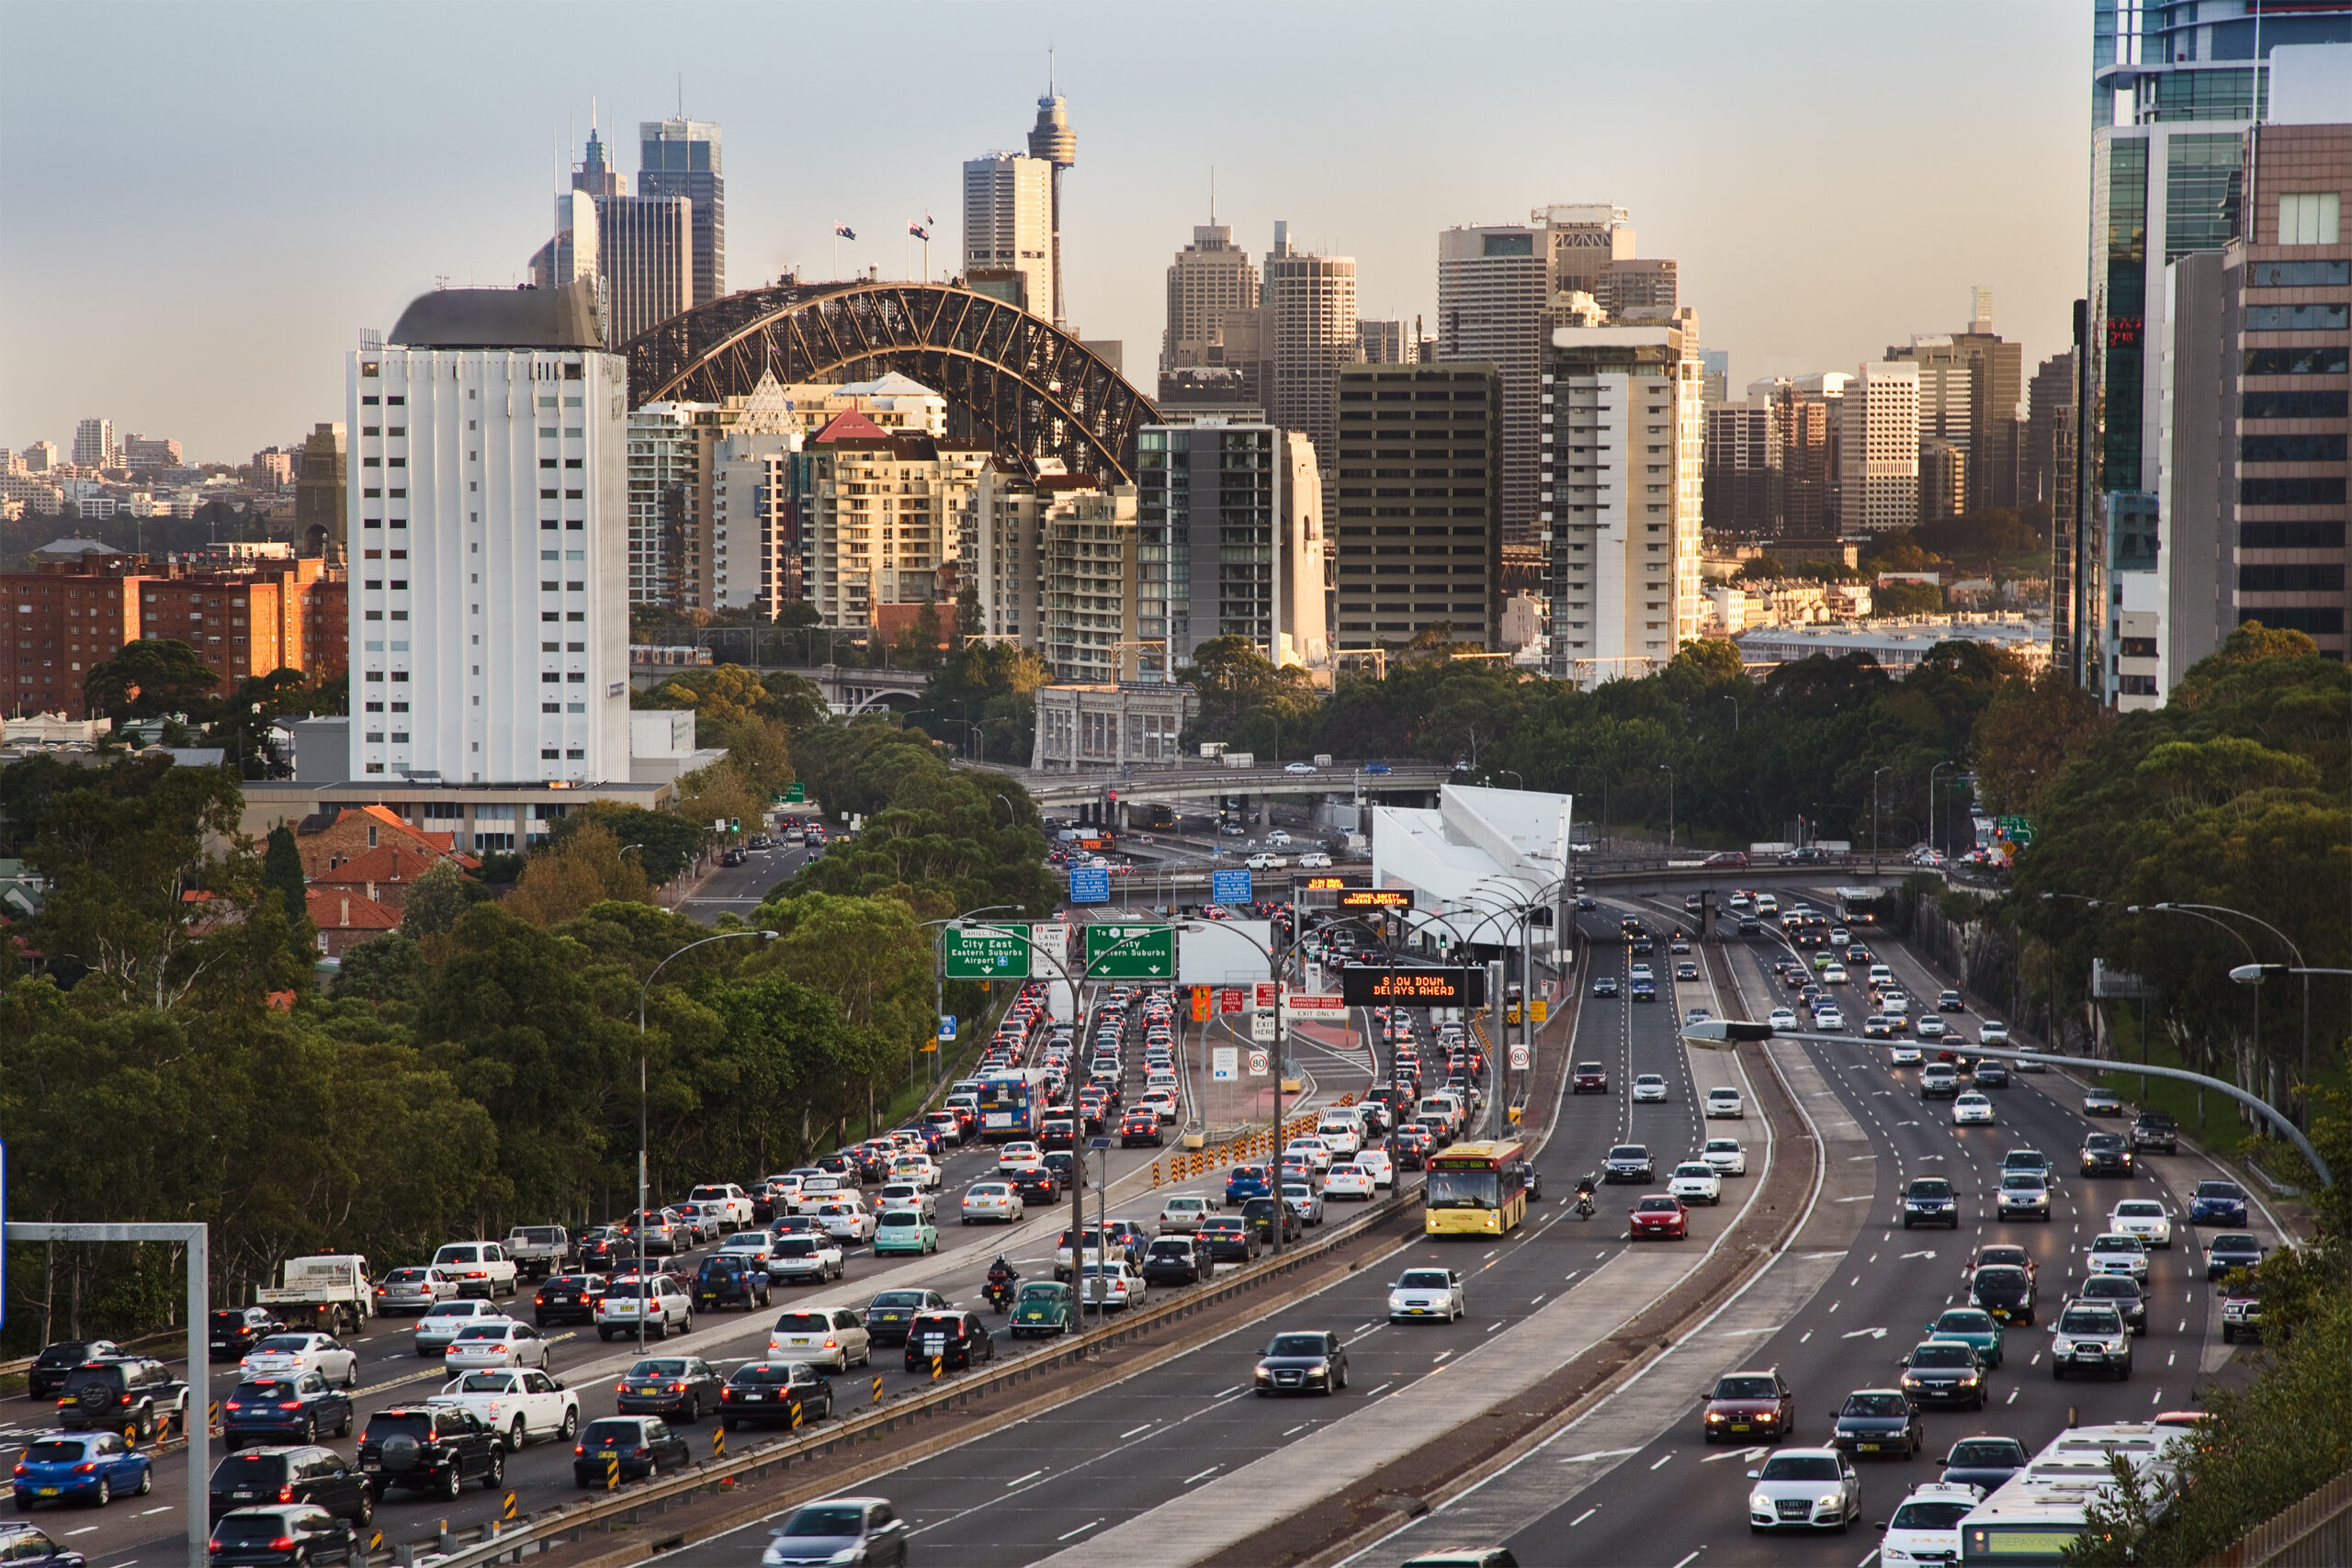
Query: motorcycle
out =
(1584, 1199)
(1003, 1284)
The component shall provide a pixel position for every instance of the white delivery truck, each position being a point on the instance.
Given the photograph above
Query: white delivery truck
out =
(326, 1294)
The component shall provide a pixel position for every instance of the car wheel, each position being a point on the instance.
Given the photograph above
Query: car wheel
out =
(495, 1476)
(367, 1506)
(449, 1484)
(146, 1481)
(104, 1495)
(605, 1335)
(515, 1437)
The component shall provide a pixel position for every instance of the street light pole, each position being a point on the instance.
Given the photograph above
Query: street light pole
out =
(1669, 806)
(2290, 947)
(643, 1119)
(1874, 773)
(1931, 802)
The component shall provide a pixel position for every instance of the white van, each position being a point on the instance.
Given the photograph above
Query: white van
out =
(1767, 905)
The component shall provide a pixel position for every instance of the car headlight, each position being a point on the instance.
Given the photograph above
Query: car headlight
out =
(1829, 1499)
(848, 1554)
(1760, 1504)
(1264, 1376)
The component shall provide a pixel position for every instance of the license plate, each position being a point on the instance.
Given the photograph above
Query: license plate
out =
(1739, 1426)
(1866, 1448)
(49, 1491)
(753, 1398)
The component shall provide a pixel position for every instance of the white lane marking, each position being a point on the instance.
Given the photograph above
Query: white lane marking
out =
(1865, 1332)
(1080, 1529)
(1384, 1388)
(1030, 1476)
(1440, 1356)
(1205, 1474)
(1661, 1461)
(2013, 1397)
(1929, 1252)
(1586, 1515)
(1686, 1561)
(1223, 1392)
(2158, 1398)
(1598, 1453)
(1144, 1428)
(1805, 1336)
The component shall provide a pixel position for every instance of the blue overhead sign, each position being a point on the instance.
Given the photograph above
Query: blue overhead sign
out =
(1089, 885)
(1230, 887)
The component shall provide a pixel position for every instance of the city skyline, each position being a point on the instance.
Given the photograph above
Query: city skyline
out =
(1791, 275)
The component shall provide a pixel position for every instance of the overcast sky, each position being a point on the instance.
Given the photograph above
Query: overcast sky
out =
(203, 204)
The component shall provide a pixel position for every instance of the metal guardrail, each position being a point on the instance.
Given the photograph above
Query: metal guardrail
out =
(495, 1540)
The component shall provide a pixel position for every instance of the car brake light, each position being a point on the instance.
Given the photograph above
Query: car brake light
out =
(285, 1493)
(236, 1405)
(84, 1468)
(290, 1405)
(580, 1447)
(282, 1543)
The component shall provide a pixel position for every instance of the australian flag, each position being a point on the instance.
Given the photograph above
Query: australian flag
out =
(918, 231)
(844, 231)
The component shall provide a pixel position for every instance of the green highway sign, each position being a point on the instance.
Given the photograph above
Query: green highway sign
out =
(1151, 956)
(796, 795)
(986, 953)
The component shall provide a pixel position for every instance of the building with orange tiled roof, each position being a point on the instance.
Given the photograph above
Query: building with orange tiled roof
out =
(385, 873)
(337, 837)
(884, 509)
(344, 919)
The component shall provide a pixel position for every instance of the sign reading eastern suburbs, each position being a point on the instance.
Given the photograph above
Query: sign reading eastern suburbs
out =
(1361, 986)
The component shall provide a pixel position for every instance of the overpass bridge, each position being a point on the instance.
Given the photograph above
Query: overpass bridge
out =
(1185, 782)
(848, 688)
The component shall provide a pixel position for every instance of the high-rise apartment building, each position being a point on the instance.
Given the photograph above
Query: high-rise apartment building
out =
(1742, 466)
(2049, 426)
(1310, 331)
(1009, 227)
(38, 457)
(1417, 521)
(681, 157)
(664, 474)
(1005, 563)
(1878, 441)
(1088, 541)
(1968, 386)
(1623, 486)
(495, 649)
(881, 516)
(1055, 144)
(2252, 465)
(150, 452)
(2174, 89)
(645, 245)
(1230, 542)
(94, 445)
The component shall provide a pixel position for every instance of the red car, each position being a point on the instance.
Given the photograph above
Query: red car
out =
(1749, 1407)
(1727, 857)
(1660, 1215)
(1592, 1079)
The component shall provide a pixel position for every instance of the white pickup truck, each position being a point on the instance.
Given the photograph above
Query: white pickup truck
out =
(539, 1250)
(519, 1403)
(324, 1294)
(805, 1258)
(482, 1269)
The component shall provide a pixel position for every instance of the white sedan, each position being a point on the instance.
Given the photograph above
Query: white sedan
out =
(1650, 1087)
(992, 1201)
(1695, 1181)
(1973, 1108)
(2143, 1217)
(1725, 1156)
(497, 1343)
(1427, 1292)
(1315, 860)
(846, 1221)
(519, 1404)
(1013, 1156)
(1829, 1021)
(290, 1355)
(1782, 1017)
(1348, 1181)
(1314, 1150)
(1298, 767)
(1903, 1056)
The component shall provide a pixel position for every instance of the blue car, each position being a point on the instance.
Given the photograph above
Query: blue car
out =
(82, 1467)
(284, 1410)
(1245, 1182)
(22, 1546)
(2218, 1203)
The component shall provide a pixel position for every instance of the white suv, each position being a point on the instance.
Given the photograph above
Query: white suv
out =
(735, 1203)
(663, 1304)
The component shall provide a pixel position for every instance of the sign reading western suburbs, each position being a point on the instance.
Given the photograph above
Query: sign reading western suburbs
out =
(986, 953)
(1130, 953)
(1363, 986)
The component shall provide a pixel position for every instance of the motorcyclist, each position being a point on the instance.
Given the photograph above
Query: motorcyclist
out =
(1585, 1185)
(1002, 1276)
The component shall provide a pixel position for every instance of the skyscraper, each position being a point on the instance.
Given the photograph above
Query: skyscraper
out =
(1310, 328)
(1386, 343)
(1230, 542)
(1878, 439)
(1623, 478)
(1744, 492)
(644, 247)
(1414, 555)
(2049, 420)
(681, 157)
(1206, 279)
(1009, 229)
(1052, 143)
(94, 444)
(2173, 90)
(488, 621)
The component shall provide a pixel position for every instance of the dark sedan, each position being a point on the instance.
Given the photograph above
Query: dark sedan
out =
(290, 1533)
(1036, 1185)
(1303, 1363)
(1879, 1421)
(2004, 1290)
(783, 1393)
(1259, 1216)
(624, 1448)
(234, 1332)
(291, 1410)
(679, 1386)
(1227, 1241)
(2226, 1252)
(1750, 1407)
(2218, 1203)
(54, 1365)
(566, 1298)
(890, 1316)
(2121, 1291)
(1946, 1371)
(1984, 1463)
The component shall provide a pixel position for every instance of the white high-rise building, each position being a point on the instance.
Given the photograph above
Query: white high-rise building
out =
(488, 629)
(1009, 224)
(94, 444)
(1878, 450)
(1621, 483)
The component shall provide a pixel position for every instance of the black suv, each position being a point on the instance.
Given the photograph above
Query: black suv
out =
(52, 1366)
(1175, 1260)
(730, 1283)
(1258, 1213)
(1929, 1200)
(137, 1392)
(239, 1330)
(318, 1476)
(2104, 1153)
(954, 1339)
(2155, 1129)
(427, 1449)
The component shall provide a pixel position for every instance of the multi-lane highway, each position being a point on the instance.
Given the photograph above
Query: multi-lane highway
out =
(390, 1372)
(1635, 1480)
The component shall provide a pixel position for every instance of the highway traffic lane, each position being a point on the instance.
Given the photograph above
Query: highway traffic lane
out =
(540, 1473)
(739, 889)
(1673, 1497)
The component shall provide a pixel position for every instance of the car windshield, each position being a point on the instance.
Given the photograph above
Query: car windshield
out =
(242, 1526)
(816, 1321)
(2116, 1243)
(1424, 1280)
(1657, 1206)
(248, 1469)
(483, 1331)
(825, 1518)
(291, 1343)
(403, 1424)
(485, 1383)
(263, 1388)
(1799, 1467)
(1296, 1345)
(1930, 1515)
(658, 1368)
(1875, 1404)
(1746, 1388)
(1988, 1453)
(1930, 1187)
(2099, 1322)
(2142, 1209)
(2020, 1182)
(763, 1376)
(55, 1451)
(2000, 1278)
(2218, 1190)
(1629, 1151)
(2119, 1287)
(1705, 1171)
(1943, 1356)
(887, 1299)
(2235, 1243)
(409, 1276)
(1964, 1322)
(452, 1309)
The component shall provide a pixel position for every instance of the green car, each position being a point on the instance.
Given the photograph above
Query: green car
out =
(904, 1230)
(1043, 1308)
(1972, 1325)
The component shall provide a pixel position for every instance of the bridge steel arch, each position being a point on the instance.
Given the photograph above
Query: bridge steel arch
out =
(1010, 379)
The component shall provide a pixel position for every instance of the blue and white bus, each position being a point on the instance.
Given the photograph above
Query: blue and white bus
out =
(1011, 1104)
(2032, 1517)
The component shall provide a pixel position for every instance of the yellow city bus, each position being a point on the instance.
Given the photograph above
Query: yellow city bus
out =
(1476, 1190)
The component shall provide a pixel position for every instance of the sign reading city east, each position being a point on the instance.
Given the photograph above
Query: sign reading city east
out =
(1375, 898)
(986, 953)
(1130, 953)
(1363, 986)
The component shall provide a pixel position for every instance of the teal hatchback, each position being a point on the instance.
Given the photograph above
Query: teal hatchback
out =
(905, 1230)
(1972, 1325)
